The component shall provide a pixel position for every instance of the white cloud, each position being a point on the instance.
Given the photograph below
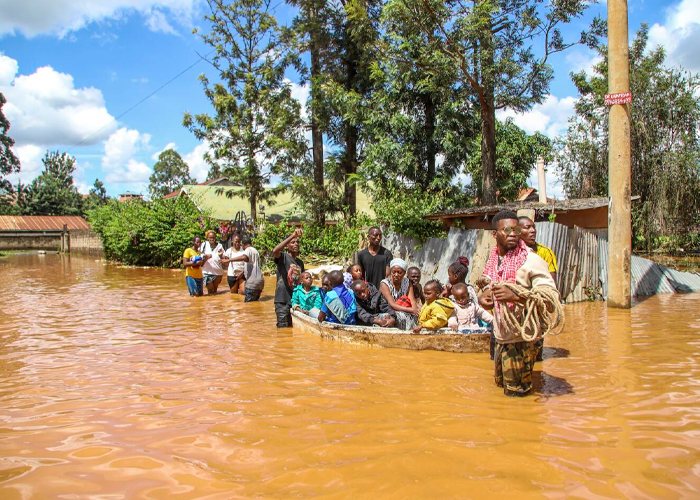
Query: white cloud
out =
(199, 168)
(46, 109)
(583, 61)
(549, 118)
(170, 145)
(61, 17)
(157, 22)
(118, 161)
(139, 80)
(301, 94)
(680, 35)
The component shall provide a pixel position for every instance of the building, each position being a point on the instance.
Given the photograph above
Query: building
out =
(128, 196)
(588, 213)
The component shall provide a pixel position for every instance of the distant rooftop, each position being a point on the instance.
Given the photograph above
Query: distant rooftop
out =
(42, 222)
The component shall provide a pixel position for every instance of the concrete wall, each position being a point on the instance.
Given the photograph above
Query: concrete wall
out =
(80, 241)
(30, 240)
(85, 242)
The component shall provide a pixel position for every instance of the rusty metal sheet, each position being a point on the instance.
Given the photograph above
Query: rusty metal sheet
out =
(41, 222)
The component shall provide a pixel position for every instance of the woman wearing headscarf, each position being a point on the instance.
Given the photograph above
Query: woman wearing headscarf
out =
(212, 269)
(398, 292)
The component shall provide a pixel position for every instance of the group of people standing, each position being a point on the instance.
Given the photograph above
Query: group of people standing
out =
(380, 290)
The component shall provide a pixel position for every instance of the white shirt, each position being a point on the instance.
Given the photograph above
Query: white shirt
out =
(234, 267)
(213, 264)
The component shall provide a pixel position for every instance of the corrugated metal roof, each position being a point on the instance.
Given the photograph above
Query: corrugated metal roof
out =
(41, 222)
(556, 237)
(648, 278)
(557, 205)
(682, 281)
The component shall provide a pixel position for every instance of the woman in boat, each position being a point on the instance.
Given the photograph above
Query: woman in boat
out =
(398, 292)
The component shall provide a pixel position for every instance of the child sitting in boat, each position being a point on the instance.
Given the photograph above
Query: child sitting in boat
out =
(372, 307)
(436, 310)
(467, 310)
(306, 298)
(413, 275)
(339, 302)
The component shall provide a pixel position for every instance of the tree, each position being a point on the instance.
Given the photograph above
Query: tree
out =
(309, 32)
(516, 155)
(257, 131)
(96, 197)
(416, 114)
(169, 173)
(665, 143)
(491, 43)
(9, 163)
(53, 192)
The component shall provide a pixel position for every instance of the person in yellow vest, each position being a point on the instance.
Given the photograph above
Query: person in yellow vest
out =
(528, 235)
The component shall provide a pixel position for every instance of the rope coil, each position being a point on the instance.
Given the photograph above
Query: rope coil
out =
(544, 314)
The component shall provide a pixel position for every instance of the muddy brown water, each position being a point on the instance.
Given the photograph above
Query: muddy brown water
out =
(114, 384)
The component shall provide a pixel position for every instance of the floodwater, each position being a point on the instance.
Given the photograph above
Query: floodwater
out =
(115, 384)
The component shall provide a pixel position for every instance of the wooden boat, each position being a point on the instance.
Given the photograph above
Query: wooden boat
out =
(444, 339)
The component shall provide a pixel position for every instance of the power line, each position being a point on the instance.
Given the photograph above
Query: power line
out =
(143, 100)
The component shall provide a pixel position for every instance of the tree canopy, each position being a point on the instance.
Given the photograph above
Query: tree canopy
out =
(53, 192)
(169, 173)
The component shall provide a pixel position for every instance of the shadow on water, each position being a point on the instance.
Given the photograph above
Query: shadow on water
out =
(554, 352)
(546, 385)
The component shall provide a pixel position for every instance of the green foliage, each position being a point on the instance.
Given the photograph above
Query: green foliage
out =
(516, 154)
(491, 42)
(96, 198)
(153, 233)
(257, 131)
(402, 209)
(9, 163)
(53, 192)
(338, 241)
(169, 173)
(665, 145)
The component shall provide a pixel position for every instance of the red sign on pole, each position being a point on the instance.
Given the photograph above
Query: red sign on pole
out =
(619, 98)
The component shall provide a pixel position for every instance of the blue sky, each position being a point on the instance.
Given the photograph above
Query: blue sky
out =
(70, 68)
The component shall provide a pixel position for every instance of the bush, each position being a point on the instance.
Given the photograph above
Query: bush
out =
(338, 241)
(153, 233)
(403, 209)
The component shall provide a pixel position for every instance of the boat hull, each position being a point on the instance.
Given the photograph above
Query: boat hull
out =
(437, 340)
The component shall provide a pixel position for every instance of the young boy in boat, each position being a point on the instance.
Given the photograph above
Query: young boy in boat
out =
(306, 297)
(436, 310)
(372, 307)
(467, 310)
(287, 264)
(413, 275)
(339, 303)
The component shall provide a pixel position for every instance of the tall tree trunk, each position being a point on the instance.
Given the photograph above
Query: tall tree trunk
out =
(316, 134)
(429, 106)
(488, 153)
(254, 206)
(349, 162)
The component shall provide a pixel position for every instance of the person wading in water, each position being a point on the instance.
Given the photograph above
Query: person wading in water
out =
(512, 267)
(529, 233)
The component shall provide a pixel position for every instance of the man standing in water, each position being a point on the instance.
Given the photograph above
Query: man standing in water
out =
(375, 258)
(528, 235)
(289, 266)
(511, 261)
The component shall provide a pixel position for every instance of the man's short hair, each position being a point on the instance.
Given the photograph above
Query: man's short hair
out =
(525, 217)
(503, 214)
(374, 228)
(245, 240)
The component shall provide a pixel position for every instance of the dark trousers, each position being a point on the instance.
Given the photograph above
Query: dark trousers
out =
(284, 314)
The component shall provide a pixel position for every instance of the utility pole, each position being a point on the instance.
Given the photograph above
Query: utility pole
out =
(619, 164)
